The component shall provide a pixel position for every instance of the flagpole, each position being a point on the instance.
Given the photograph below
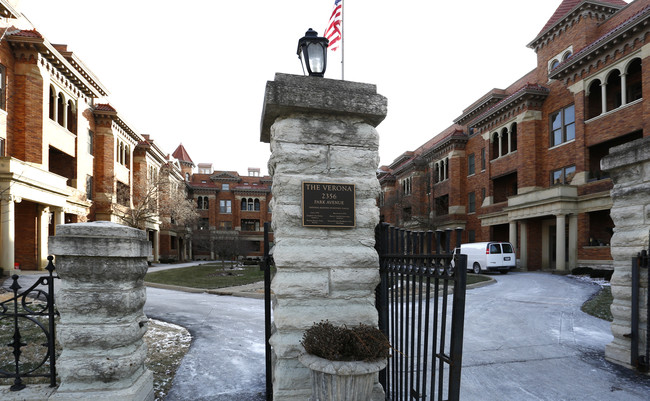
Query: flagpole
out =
(342, 40)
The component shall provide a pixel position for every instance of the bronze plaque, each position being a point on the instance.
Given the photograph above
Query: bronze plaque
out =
(326, 204)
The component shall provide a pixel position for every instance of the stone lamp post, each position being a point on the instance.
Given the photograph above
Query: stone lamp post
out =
(324, 157)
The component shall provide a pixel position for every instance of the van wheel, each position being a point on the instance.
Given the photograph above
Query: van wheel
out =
(476, 268)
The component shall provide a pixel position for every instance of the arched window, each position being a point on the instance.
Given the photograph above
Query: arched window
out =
(187, 176)
(251, 205)
(594, 100)
(495, 146)
(446, 170)
(72, 117)
(60, 104)
(504, 141)
(127, 156)
(52, 103)
(567, 55)
(199, 202)
(633, 81)
(554, 64)
(613, 90)
(436, 173)
(206, 203)
(257, 205)
(243, 204)
(513, 137)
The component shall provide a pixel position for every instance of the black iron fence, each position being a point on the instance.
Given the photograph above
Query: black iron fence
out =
(27, 328)
(418, 273)
(639, 264)
(266, 265)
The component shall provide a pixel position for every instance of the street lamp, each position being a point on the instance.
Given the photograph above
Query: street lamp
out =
(313, 50)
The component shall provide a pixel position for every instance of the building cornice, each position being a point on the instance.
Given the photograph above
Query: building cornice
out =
(25, 42)
(530, 95)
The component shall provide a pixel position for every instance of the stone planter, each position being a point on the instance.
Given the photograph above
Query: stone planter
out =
(341, 380)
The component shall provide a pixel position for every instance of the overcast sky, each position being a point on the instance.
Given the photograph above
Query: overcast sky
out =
(194, 71)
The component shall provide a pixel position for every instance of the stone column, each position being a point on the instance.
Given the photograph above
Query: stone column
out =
(320, 130)
(603, 100)
(623, 89)
(512, 233)
(629, 168)
(573, 240)
(560, 242)
(43, 233)
(8, 232)
(523, 244)
(101, 296)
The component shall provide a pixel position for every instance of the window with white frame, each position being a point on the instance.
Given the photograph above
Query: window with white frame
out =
(407, 186)
(225, 206)
(563, 127)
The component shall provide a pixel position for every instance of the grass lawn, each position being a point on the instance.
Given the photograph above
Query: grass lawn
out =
(599, 304)
(209, 275)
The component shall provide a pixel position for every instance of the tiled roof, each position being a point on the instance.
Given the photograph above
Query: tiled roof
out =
(104, 107)
(181, 154)
(568, 5)
(31, 33)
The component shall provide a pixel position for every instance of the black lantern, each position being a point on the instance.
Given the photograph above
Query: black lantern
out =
(313, 50)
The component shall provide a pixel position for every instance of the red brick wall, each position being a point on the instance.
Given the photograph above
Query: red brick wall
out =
(26, 250)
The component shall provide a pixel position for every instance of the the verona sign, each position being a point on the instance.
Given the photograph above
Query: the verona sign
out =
(326, 204)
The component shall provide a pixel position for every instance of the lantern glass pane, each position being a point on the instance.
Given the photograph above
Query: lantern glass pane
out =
(316, 53)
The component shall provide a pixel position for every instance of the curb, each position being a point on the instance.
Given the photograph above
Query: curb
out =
(244, 291)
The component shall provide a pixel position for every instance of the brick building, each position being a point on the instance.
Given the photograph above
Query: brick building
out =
(523, 163)
(66, 155)
(232, 210)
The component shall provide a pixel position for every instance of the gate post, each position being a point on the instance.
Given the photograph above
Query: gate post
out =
(321, 132)
(629, 168)
(102, 293)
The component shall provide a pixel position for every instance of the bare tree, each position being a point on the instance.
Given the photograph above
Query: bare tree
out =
(159, 200)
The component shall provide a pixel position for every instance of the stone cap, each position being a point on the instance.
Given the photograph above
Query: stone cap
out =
(634, 152)
(297, 94)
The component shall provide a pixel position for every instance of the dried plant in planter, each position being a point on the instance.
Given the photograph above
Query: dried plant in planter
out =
(342, 343)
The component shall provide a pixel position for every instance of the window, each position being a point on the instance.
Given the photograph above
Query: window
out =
(471, 236)
(257, 205)
(407, 186)
(250, 225)
(187, 176)
(470, 164)
(563, 126)
(203, 203)
(495, 248)
(471, 202)
(225, 225)
(563, 175)
(2, 147)
(52, 103)
(91, 142)
(225, 187)
(204, 223)
(3, 87)
(482, 159)
(89, 187)
(225, 206)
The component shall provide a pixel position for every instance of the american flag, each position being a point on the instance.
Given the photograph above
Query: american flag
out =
(333, 31)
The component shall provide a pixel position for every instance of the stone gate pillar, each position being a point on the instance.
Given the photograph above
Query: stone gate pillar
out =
(323, 147)
(629, 168)
(102, 267)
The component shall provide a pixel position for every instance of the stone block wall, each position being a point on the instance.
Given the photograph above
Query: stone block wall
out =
(320, 131)
(629, 167)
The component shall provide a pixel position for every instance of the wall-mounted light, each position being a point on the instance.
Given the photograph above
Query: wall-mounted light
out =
(312, 52)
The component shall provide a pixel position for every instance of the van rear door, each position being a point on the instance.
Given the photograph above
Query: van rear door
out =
(494, 257)
(509, 258)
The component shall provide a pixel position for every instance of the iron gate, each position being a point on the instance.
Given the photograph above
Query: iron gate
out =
(267, 263)
(641, 362)
(32, 311)
(414, 312)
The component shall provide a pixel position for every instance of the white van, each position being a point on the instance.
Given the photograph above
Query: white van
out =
(489, 256)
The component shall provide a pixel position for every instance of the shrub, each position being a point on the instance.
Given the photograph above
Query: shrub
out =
(342, 343)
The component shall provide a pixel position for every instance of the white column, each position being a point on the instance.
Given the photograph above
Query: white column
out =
(509, 133)
(43, 234)
(523, 248)
(59, 217)
(603, 96)
(560, 242)
(156, 246)
(623, 89)
(500, 139)
(8, 232)
(512, 232)
(573, 240)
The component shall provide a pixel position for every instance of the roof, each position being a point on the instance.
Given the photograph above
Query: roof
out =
(568, 5)
(181, 154)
